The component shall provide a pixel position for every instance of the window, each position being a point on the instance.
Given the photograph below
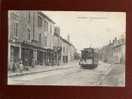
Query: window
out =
(16, 29)
(63, 49)
(46, 25)
(11, 53)
(29, 17)
(51, 29)
(28, 34)
(40, 37)
(45, 41)
(39, 21)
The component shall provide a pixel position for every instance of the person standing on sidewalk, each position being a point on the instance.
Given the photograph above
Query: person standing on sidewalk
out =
(14, 67)
(21, 68)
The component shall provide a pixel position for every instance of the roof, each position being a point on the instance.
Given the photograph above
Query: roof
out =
(46, 17)
(65, 40)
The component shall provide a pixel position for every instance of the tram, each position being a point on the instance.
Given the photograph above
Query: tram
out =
(89, 58)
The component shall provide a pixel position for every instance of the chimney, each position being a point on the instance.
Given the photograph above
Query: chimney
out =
(57, 30)
(68, 38)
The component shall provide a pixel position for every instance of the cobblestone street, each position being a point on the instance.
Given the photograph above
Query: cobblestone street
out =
(116, 77)
(103, 75)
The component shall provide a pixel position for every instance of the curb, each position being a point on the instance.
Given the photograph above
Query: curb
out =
(28, 73)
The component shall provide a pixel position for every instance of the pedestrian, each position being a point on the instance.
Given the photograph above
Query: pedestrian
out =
(21, 68)
(14, 67)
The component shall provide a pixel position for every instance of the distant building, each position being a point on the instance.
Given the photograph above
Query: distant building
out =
(65, 45)
(72, 52)
(64, 50)
(57, 46)
(106, 53)
(119, 50)
(114, 52)
(68, 51)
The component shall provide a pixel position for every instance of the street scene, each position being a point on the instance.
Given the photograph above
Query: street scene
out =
(66, 48)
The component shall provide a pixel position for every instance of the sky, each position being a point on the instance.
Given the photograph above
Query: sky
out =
(89, 29)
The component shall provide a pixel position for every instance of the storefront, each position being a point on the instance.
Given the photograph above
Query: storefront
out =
(40, 57)
(65, 59)
(49, 57)
(14, 54)
(32, 55)
(27, 56)
(57, 55)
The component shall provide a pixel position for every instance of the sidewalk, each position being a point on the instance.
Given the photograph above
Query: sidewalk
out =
(116, 77)
(103, 67)
(41, 68)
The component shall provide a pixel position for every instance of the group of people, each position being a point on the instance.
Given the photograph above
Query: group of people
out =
(18, 66)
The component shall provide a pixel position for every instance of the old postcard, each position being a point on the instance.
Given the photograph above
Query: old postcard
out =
(66, 48)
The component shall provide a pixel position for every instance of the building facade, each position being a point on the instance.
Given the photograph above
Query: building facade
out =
(44, 27)
(68, 51)
(114, 52)
(57, 46)
(20, 36)
(35, 40)
(119, 50)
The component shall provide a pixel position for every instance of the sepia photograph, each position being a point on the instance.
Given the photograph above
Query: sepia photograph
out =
(66, 48)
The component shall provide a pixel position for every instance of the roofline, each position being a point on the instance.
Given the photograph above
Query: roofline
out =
(46, 17)
(66, 41)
